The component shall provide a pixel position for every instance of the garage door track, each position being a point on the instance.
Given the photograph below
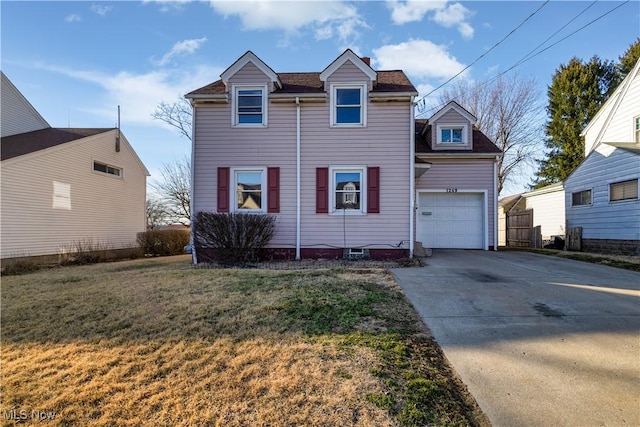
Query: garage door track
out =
(538, 340)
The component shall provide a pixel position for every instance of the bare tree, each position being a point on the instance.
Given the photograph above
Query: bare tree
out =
(508, 111)
(177, 115)
(156, 214)
(173, 190)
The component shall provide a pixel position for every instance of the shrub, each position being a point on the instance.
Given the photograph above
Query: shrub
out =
(236, 238)
(163, 242)
(19, 265)
(82, 252)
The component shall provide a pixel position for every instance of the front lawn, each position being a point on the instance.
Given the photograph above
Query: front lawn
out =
(156, 342)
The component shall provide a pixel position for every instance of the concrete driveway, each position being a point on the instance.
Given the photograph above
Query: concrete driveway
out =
(538, 340)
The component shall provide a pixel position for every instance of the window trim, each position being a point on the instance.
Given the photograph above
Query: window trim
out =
(363, 104)
(363, 190)
(233, 190)
(590, 190)
(120, 170)
(636, 129)
(235, 122)
(629, 199)
(444, 126)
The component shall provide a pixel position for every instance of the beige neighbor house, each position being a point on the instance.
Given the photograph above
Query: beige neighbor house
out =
(339, 158)
(61, 186)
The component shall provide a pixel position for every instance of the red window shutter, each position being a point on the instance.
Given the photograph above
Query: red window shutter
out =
(223, 189)
(273, 190)
(322, 190)
(373, 190)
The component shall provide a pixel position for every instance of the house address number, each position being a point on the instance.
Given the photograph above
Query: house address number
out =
(452, 190)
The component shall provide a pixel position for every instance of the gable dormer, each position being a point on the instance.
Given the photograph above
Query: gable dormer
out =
(451, 128)
(348, 81)
(249, 81)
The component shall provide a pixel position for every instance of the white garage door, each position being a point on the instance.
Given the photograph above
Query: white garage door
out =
(451, 220)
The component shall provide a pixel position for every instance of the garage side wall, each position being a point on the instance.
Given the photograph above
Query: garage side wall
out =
(458, 175)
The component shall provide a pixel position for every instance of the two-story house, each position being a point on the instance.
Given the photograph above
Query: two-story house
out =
(333, 155)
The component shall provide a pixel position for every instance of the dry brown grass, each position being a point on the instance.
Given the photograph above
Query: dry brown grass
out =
(155, 342)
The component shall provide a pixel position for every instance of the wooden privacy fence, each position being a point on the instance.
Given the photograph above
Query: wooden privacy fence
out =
(519, 228)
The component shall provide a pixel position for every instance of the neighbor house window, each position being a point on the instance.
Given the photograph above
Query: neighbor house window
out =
(637, 126)
(347, 190)
(108, 169)
(250, 106)
(452, 134)
(581, 198)
(626, 190)
(250, 191)
(348, 105)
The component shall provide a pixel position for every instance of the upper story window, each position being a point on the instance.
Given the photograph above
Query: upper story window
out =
(108, 169)
(348, 105)
(250, 189)
(452, 134)
(250, 106)
(626, 190)
(581, 198)
(637, 133)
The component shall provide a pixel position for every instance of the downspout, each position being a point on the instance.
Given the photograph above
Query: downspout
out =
(495, 204)
(194, 256)
(412, 174)
(297, 178)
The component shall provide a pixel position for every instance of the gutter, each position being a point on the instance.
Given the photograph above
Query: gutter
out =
(412, 181)
(298, 148)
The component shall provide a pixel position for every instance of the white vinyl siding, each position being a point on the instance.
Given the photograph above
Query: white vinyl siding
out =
(52, 198)
(548, 212)
(18, 115)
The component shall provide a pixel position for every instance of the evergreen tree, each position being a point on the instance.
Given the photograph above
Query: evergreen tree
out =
(576, 93)
(629, 58)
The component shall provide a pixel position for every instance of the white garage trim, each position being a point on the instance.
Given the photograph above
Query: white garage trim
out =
(453, 191)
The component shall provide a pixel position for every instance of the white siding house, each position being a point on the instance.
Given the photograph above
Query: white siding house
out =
(330, 153)
(602, 193)
(61, 186)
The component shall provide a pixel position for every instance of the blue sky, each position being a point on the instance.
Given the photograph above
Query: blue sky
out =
(77, 61)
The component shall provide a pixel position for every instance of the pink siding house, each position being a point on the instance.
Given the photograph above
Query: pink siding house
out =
(332, 154)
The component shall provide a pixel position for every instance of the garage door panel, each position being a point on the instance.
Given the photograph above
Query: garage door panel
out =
(451, 220)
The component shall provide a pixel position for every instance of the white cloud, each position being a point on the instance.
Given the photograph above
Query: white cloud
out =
(100, 9)
(181, 48)
(326, 18)
(418, 58)
(443, 13)
(138, 94)
(412, 10)
(74, 17)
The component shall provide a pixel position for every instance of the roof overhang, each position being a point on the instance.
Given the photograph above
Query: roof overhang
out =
(302, 97)
(208, 99)
(434, 155)
(391, 96)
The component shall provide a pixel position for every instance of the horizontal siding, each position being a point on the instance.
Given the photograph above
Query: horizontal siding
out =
(250, 74)
(18, 116)
(604, 219)
(103, 208)
(463, 174)
(384, 143)
(548, 213)
(621, 128)
(348, 72)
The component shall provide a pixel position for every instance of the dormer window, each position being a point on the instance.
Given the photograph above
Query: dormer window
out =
(348, 105)
(250, 106)
(452, 134)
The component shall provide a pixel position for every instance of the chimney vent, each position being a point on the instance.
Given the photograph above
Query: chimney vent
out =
(366, 60)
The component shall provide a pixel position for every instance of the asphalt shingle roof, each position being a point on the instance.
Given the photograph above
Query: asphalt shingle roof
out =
(29, 142)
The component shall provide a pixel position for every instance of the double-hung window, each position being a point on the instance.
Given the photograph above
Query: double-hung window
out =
(637, 128)
(581, 198)
(250, 185)
(348, 105)
(626, 190)
(250, 106)
(347, 190)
